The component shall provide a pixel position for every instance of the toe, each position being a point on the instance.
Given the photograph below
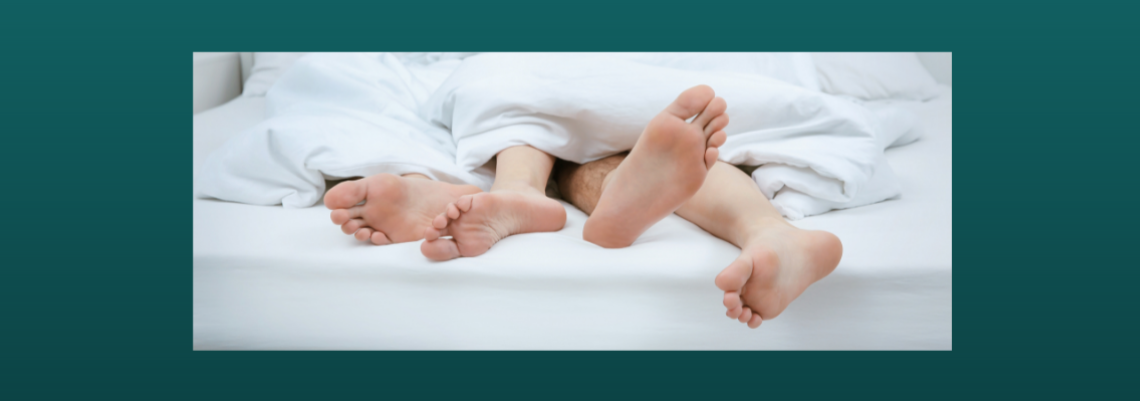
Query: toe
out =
(711, 154)
(744, 317)
(380, 238)
(717, 139)
(691, 102)
(716, 124)
(734, 276)
(732, 300)
(452, 211)
(439, 222)
(346, 194)
(714, 109)
(465, 202)
(351, 226)
(341, 216)
(432, 233)
(755, 321)
(440, 250)
(364, 234)
(734, 312)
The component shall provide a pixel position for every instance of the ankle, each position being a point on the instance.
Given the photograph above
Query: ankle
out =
(524, 186)
(747, 231)
(518, 189)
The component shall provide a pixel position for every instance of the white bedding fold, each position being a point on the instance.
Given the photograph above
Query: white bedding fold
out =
(583, 107)
(344, 115)
(336, 116)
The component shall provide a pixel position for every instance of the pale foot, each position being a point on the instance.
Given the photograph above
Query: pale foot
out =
(665, 168)
(774, 268)
(396, 209)
(476, 222)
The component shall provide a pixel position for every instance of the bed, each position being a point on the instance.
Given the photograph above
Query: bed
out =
(266, 277)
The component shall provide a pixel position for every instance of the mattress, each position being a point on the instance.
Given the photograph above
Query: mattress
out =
(276, 278)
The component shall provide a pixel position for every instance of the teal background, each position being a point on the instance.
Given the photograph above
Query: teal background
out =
(96, 290)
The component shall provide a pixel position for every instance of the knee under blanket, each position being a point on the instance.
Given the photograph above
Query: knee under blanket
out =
(342, 115)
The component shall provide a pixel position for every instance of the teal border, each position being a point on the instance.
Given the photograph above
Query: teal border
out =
(96, 290)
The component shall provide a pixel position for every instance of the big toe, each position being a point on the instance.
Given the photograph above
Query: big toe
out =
(691, 102)
(733, 277)
(346, 194)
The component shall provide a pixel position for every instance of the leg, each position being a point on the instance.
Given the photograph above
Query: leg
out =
(777, 262)
(395, 209)
(666, 167)
(517, 204)
(581, 184)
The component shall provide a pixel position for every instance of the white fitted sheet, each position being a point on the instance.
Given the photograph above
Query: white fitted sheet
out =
(275, 278)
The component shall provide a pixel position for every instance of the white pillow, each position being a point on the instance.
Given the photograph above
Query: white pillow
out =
(267, 67)
(794, 68)
(871, 76)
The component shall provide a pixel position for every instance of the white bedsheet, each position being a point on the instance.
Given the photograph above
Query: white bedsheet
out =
(267, 277)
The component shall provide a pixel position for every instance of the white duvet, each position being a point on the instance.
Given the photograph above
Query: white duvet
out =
(345, 115)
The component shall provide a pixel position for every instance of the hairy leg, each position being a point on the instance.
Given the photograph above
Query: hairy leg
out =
(517, 204)
(581, 184)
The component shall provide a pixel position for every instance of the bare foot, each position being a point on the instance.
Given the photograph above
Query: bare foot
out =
(665, 168)
(475, 222)
(395, 209)
(774, 268)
